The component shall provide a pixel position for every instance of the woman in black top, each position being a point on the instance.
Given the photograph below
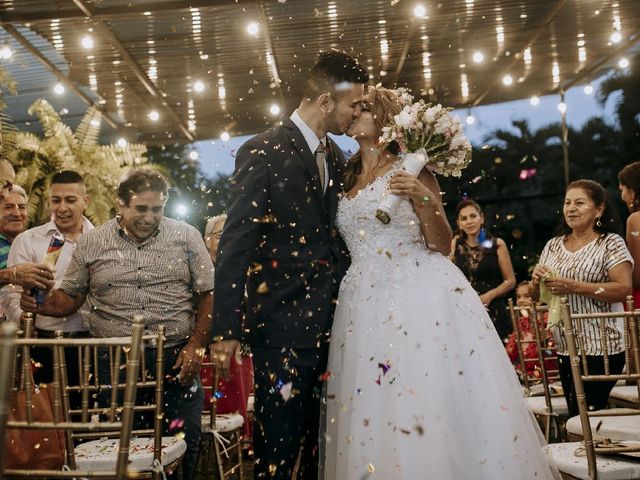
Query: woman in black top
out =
(485, 262)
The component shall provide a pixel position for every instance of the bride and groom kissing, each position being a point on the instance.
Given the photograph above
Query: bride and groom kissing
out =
(415, 382)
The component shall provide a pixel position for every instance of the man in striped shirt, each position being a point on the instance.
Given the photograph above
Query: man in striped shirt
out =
(142, 263)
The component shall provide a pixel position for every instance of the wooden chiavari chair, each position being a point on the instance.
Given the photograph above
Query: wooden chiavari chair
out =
(221, 436)
(102, 438)
(601, 453)
(7, 358)
(541, 383)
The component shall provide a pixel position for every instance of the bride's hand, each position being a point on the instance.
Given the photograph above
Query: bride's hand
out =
(403, 183)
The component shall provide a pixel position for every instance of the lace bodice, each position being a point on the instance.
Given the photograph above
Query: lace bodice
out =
(366, 236)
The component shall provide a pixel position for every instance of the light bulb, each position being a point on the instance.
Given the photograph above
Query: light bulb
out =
(193, 155)
(253, 28)
(154, 115)
(507, 80)
(121, 142)
(535, 100)
(275, 109)
(588, 89)
(478, 57)
(58, 89)
(225, 136)
(470, 119)
(198, 86)
(420, 10)
(562, 107)
(623, 63)
(87, 41)
(5, 52)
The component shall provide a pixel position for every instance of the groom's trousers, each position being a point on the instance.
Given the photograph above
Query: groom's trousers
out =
(287, 411)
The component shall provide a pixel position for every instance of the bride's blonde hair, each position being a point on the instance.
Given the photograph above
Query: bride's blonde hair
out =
(384, 105)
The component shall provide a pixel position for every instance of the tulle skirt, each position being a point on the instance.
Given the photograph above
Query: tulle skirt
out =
(419, 385)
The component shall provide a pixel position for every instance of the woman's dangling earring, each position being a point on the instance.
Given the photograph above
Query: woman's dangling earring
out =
(598, 223)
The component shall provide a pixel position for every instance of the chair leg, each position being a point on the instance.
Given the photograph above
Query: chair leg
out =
(220, 465)
(239, 442)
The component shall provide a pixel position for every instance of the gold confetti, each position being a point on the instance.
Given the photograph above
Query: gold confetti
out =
(371, 468)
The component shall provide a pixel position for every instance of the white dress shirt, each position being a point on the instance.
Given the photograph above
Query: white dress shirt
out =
(312, 141)
(31, 246)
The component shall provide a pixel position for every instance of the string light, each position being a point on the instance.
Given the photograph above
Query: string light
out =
(275, 109)
(5, 52)
(225, 136)
(154, 115)
(420, 10)
(121, 142)
(193, 155)
(478, 57)
(87, 41)
(588, 89)
(470, 119)
(535, 101)
(58, 89)
(198, 86)
(253, 28)
(616, 37)
(507, 80)
(623, 62)
(562, 107)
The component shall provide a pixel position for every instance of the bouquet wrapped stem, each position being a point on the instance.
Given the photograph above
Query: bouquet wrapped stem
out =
(412, 163)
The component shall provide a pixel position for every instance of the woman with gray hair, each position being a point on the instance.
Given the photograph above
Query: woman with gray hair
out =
(237, 388)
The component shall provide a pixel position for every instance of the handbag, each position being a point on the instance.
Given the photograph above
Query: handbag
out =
(33, 449)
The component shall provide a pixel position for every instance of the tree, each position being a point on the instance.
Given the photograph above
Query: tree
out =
(200, 196)
(627, 112)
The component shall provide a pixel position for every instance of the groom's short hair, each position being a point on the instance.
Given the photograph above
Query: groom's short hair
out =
(332, 69)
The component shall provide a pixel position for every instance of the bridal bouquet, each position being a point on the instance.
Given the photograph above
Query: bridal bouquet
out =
(427, 136)
(429, 129)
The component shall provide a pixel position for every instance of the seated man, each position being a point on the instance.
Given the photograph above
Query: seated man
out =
(143, 263)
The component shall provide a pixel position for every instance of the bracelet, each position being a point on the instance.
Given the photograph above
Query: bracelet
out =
(15, 275)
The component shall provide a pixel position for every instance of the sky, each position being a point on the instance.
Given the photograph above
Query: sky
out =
(218, 157)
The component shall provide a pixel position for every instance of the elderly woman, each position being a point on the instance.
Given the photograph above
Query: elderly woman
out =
(590, 265)
(629, 180)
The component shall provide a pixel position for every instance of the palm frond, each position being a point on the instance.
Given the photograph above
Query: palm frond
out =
(88, 130)
(47, 116)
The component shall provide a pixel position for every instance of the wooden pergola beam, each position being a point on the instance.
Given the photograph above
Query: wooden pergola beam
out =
(142, 77)
(275, 71)
(59, 74)
(108, 13)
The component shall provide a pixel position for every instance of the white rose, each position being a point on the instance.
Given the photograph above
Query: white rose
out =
(403, 119)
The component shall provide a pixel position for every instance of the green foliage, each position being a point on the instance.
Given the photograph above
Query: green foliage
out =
(203, 196)
(37, 159)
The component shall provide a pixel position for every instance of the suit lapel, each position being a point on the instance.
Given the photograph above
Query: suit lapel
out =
(300, 144)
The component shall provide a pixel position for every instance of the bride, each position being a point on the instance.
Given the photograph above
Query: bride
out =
(419, 385)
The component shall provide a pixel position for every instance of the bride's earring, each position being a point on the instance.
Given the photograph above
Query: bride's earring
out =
(598, 222)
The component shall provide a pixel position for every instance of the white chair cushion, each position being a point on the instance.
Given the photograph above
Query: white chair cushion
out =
(625, 427)
(563, 456)
(538, 389)
(626, 393)
(102, 454)
(538, 405)
(227, 422)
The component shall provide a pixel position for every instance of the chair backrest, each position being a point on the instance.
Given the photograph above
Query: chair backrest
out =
(105, 406)
(573, 325)
(535, 352)
(211, 385)
(7, 358)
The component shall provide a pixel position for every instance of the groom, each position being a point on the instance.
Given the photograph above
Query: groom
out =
(280, 242)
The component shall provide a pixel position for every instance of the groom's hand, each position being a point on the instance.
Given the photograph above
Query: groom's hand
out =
(223, 350)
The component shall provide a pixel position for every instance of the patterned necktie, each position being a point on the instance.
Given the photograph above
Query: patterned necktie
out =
(321, 155)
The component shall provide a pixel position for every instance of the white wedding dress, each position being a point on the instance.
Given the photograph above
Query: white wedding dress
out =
(419, 384)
